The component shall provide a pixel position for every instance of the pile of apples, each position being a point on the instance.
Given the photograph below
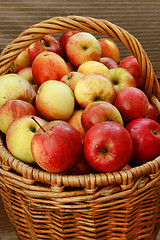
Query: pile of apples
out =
(71, 106)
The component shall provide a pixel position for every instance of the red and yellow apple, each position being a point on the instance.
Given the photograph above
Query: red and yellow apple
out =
(108, 62)
(83, 47)
(92, 67)
(27, 74)
(55, 100)
(71, 79)
(94, 87)
(75, 121)
(22, 61)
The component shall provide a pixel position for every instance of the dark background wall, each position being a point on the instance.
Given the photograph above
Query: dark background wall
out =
(140, 18)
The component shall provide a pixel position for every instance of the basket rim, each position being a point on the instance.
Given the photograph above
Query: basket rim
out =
(100, 26)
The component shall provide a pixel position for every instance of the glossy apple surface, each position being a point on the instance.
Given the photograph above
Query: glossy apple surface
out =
(132, 103)
(94, 87)
(145, 134)
(14, 87)
(121, 78)
(71, 79)
(48, 66)
(100, 111)
(107, 147)
(75, 121)
(57, 148)
(92, 67)
(19, 135)
(13, 109)
(153, 113)
(109, 49)
(64, 39)
(108, 62)
(83, 47)
(131, 64)
(55, 100)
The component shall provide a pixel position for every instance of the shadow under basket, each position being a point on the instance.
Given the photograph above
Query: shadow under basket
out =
(117, 205)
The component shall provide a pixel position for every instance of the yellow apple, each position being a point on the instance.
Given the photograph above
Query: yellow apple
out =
(92, 67)
(71, 79)
(55, 100)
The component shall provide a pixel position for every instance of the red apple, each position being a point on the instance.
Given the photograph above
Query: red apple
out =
(100, 111)
(48, 66)
(83, 47)
(94, 87)
(75, 121)
(153, 113)
(13, 109)
(64, 39)
(132, 103)
(107, 147)
(121, 78)
(109, 49)
(47, 43)
(108, 62)
(131, 64)
(54, 148)
(145, 134)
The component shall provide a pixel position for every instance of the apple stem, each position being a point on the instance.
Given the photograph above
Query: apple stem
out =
(101, 149)
(38, 123)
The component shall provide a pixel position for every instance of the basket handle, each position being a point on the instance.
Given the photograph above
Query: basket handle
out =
(98, 26)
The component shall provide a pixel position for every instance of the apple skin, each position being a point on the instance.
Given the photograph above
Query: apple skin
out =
(75, 121)
(121, 78)
(14, 87)
(71, 79)
(22, 61)
(64, 39)
(92, 67)
(132, 103)
(27, 74)
(107, 147)
(55, 100)
(131, 64)
(62, 152)
(100, 111)
(153, 113)
(48, 66)
(94, 87)
(13, 109)
(47, 43)
(19, 135)
(83, 47)
(109, 49)
(108, 62)
(145, 134)
(71, 67)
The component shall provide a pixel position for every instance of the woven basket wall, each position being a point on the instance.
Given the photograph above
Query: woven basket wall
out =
(118, 205)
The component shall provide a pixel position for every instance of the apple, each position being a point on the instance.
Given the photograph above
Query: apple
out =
(153, 113)
(121, 78)
(13, 109)
(55, 100)
(71, 79)
(27, 74)
(19, 135)
(132, 103)
(22, 61)
(71, 67)
(100, 111)
(56, 147)
(14, 87)
(108, 62)
(47, 43)
(64, 39)
(92, 67)
(131, 64)
(81, 167)
(48, 66)
(109, 49)
(145, 134)
(83, 47)
(75, 121)
(107, 146)
(94, 87)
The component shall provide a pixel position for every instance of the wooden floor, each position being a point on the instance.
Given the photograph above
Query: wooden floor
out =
(6, 229)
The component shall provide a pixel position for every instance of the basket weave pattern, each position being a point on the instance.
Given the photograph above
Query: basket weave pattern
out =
(118, 205)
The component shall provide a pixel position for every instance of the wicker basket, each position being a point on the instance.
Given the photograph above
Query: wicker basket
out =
(117, 205)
